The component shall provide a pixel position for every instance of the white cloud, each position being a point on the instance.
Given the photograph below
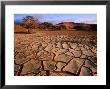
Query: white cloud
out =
(90, 22)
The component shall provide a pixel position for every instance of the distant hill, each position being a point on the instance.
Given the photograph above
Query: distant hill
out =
(68, 25)
(79, 26)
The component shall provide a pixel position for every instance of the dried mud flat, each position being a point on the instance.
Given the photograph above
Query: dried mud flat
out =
(55, 53)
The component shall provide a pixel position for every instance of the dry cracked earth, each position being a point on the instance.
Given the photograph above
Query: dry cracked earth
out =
(63, 55)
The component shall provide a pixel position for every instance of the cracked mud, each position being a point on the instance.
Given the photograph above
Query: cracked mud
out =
(55, 55)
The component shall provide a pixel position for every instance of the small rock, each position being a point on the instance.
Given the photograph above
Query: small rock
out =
(49, 65)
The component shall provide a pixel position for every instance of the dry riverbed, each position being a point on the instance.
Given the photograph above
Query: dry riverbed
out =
(53, 53)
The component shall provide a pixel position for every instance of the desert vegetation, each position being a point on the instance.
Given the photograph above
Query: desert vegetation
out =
(33, 25)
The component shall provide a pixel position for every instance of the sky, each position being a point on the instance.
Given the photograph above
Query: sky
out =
(58, 18)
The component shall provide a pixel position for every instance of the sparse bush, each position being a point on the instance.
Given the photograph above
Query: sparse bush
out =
(94, 27)
(62, 27)
(77, 27)
(86, 27)
(46, 26)
(29, 22)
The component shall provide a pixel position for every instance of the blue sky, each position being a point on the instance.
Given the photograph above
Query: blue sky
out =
(57, 18)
